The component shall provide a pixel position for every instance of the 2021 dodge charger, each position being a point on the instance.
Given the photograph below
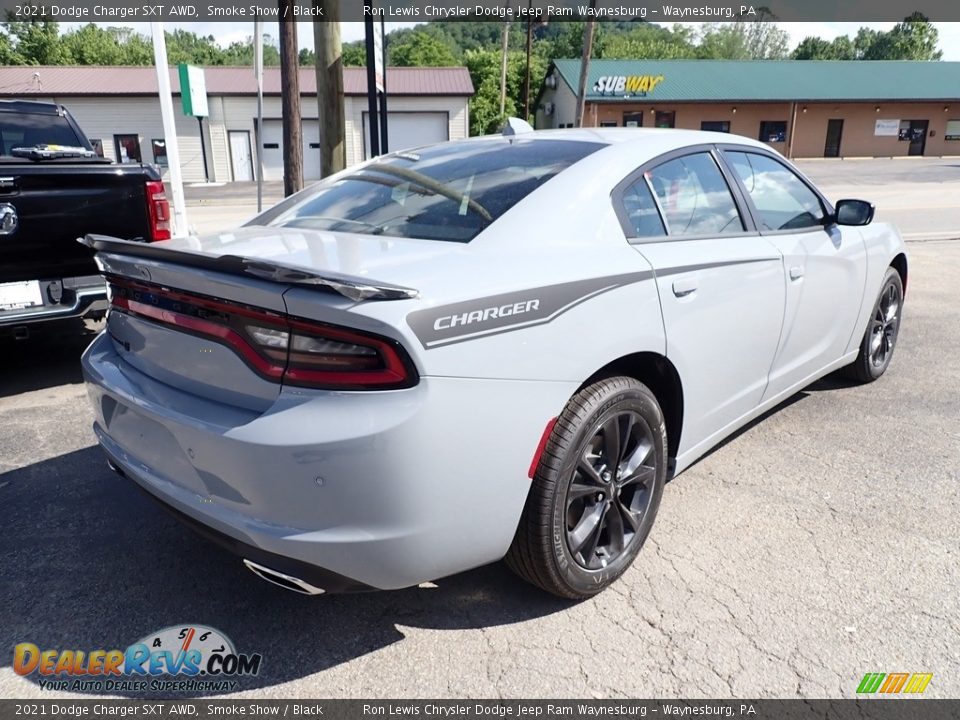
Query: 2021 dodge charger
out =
(497, 347)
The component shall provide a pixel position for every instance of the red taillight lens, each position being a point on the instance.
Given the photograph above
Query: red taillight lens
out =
(296, 352)
(158, 208)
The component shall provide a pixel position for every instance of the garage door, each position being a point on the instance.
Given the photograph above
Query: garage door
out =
(273, 150)
(410, 129)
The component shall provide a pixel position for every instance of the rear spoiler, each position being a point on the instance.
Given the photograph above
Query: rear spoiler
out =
(350, 286)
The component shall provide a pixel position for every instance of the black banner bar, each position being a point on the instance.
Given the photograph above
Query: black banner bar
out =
(900, 709)
(484, 10)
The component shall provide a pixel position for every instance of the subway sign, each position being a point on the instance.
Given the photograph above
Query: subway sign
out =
(638, 85)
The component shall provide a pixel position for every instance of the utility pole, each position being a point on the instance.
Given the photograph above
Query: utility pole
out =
(504, 47)
(290, 100)
(329, 54)
(585, 66)
(526, 77)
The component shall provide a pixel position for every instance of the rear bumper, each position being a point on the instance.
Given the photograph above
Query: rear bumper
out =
(81, 297)
(348, 491)
(330, 582)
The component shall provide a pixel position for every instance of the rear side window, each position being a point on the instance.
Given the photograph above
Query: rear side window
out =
(30, 130)
(695, 197)
(783, 201)
(445, 192)
(641, 211)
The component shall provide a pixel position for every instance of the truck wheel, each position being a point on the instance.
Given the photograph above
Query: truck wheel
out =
(596, 490)
(880, 338)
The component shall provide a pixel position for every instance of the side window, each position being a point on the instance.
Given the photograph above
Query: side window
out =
(782, 199)
(641, 211)
(695, 197)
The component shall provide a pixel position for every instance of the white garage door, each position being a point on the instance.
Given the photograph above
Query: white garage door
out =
(273, 150)
(410, 129)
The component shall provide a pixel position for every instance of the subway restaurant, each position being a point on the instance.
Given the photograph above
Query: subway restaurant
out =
(801, 108)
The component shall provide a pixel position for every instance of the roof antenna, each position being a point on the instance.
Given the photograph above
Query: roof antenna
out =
(515, 126)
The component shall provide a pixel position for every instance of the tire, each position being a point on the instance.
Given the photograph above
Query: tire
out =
(880, 338)
(584, 523)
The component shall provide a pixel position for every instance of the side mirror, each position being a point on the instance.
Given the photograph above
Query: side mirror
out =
(854, 212)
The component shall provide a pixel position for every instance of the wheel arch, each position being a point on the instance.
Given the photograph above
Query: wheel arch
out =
(661, 376)
(899, 263)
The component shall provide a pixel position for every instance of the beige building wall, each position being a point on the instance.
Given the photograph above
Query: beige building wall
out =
(810, 131)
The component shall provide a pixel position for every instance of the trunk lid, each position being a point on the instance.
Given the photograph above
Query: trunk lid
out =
(166, 295)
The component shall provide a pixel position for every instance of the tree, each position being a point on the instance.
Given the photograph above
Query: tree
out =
(421, 49)
(354, 54)
(814, 48)
(36, 42)
(913, 39)
(745, 40)
(646, 43)
(93, 45)
(184, 46)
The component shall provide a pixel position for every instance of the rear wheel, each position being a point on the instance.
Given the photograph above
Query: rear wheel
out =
(596, 490)
(880, 338)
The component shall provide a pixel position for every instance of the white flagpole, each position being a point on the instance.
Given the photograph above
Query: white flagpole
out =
(258, 72)
(180, 227)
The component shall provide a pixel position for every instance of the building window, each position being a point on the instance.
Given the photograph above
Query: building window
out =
(953, 130)
(715, 126)
(665, 119)
(127, 147)
(633, 119)
(97, 145)
(159, 149)
(608, 123)
(773, 131)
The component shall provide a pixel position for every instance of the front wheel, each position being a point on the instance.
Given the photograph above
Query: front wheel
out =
(880, 338)
(596, 490)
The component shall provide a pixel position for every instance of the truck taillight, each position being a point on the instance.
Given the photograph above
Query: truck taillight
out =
(158, 208)
(279, 348)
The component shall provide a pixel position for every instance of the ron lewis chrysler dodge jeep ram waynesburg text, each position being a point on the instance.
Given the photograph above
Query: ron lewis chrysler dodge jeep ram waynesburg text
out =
(496, 347)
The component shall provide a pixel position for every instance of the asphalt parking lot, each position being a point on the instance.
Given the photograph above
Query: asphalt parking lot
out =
(820, 543)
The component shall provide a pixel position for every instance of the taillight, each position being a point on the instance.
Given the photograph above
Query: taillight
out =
(158, 209)
(276, 347)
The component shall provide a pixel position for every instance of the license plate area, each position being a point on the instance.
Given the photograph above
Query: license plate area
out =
(20, 295)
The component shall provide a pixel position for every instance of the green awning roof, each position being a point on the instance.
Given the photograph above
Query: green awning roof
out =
(767, 80)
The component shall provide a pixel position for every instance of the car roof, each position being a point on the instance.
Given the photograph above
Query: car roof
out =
(665, 139)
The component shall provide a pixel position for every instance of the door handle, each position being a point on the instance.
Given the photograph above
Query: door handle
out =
(684, 287)
(796, 272)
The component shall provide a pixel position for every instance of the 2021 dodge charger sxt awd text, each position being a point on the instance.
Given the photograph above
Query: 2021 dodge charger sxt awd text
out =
(496, 347)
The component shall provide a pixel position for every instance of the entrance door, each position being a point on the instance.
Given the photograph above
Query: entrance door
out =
(918, 136)
(241, 159)
(834, 134)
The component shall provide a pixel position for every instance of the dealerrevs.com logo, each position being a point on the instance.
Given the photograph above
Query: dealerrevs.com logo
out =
(184, 658)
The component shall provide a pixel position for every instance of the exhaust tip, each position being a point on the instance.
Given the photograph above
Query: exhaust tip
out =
(287, 582)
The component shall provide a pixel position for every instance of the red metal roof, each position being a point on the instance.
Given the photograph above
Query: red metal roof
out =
(23, 81)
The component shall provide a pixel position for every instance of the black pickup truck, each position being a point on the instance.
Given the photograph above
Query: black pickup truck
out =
(53, 190)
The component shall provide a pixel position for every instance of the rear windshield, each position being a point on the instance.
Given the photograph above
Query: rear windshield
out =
(441, 192)
(30, 130)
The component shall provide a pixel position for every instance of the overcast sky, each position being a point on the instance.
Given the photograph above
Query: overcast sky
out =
(228, 32)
